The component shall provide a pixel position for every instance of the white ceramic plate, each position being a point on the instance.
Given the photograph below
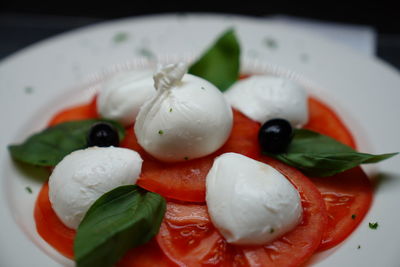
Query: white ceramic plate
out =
(50, 75)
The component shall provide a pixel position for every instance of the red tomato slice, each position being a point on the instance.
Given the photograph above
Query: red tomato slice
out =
(347, 197)
(81, 112)
(147, 255)
(186, 180)
(346, 193)
(188, 237)
(323, 119)
(49, 226)
(54, 232)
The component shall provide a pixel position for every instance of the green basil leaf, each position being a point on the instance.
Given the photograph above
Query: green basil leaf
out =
(221, 62)
(123, 218)
(51, 145)
(319, 155)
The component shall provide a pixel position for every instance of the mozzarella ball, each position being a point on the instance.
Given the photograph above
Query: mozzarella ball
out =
(122, 96)
(249, 202)
(188, 117)
(85, 175)
(262, 98)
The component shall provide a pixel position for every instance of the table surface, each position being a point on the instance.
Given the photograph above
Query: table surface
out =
(18, 31)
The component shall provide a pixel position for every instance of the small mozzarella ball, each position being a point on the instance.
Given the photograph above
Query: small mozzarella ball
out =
(188, 117)
(85, 175)
(262, 98)
(250, 202)
(122, 96)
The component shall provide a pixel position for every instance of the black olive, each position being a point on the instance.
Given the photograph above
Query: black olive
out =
(275, 136)
(103, 134)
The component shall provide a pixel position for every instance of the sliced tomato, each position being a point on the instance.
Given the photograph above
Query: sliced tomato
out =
(188, 237)
(323, 119)
(186, 180)
(54, 232)
(347, 195)
(81, 112)
(49, 226)
(147, 255)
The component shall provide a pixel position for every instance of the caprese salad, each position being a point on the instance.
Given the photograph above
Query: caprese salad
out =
(195, 165)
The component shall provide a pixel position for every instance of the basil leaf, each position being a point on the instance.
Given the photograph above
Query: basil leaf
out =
(319, 155)
(51, 145)
(220, 63)
(123, 218)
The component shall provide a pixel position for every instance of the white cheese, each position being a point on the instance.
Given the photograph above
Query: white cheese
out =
(122, 96)
(188, 117)
(84, 175)
(250, 202)
(262, 98)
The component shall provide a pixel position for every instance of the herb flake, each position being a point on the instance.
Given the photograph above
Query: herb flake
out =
(28, 90)
(353, 216)
(270, 43)
(373, 226)
(120, 37)
(160, 132)
(28, 189)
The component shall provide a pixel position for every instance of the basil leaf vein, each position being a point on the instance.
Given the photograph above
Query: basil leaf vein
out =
(51, 145)
(319, 155)
(221, 62)
(125, 217)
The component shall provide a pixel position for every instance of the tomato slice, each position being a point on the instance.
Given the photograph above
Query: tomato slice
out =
(147, 255)
(81, 112)
(55, 233)
(323, 119)
(50, 227)
(186, 180)
(188, 238)
(347, 197)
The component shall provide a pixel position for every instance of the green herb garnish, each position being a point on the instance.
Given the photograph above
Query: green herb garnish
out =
(123, 218)
(28, 189)
(319, 155)
(373, 226)
(51, 145)
(160, 132)
(220, 63)
(120, 37)
(353, 216)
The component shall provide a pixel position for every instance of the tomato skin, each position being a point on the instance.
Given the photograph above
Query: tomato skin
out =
(185, 181)
(345, 193)
(50, 227)
(348, 197)
(323, 119)
(81, 112)
(147, 255)
(188, 237)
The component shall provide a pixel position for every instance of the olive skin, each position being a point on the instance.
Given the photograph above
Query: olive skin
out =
(275, 136)
(102, 134)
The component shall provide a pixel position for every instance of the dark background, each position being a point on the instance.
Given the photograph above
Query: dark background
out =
(23, 23)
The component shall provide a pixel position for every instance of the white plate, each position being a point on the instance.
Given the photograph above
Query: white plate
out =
(37, 81)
